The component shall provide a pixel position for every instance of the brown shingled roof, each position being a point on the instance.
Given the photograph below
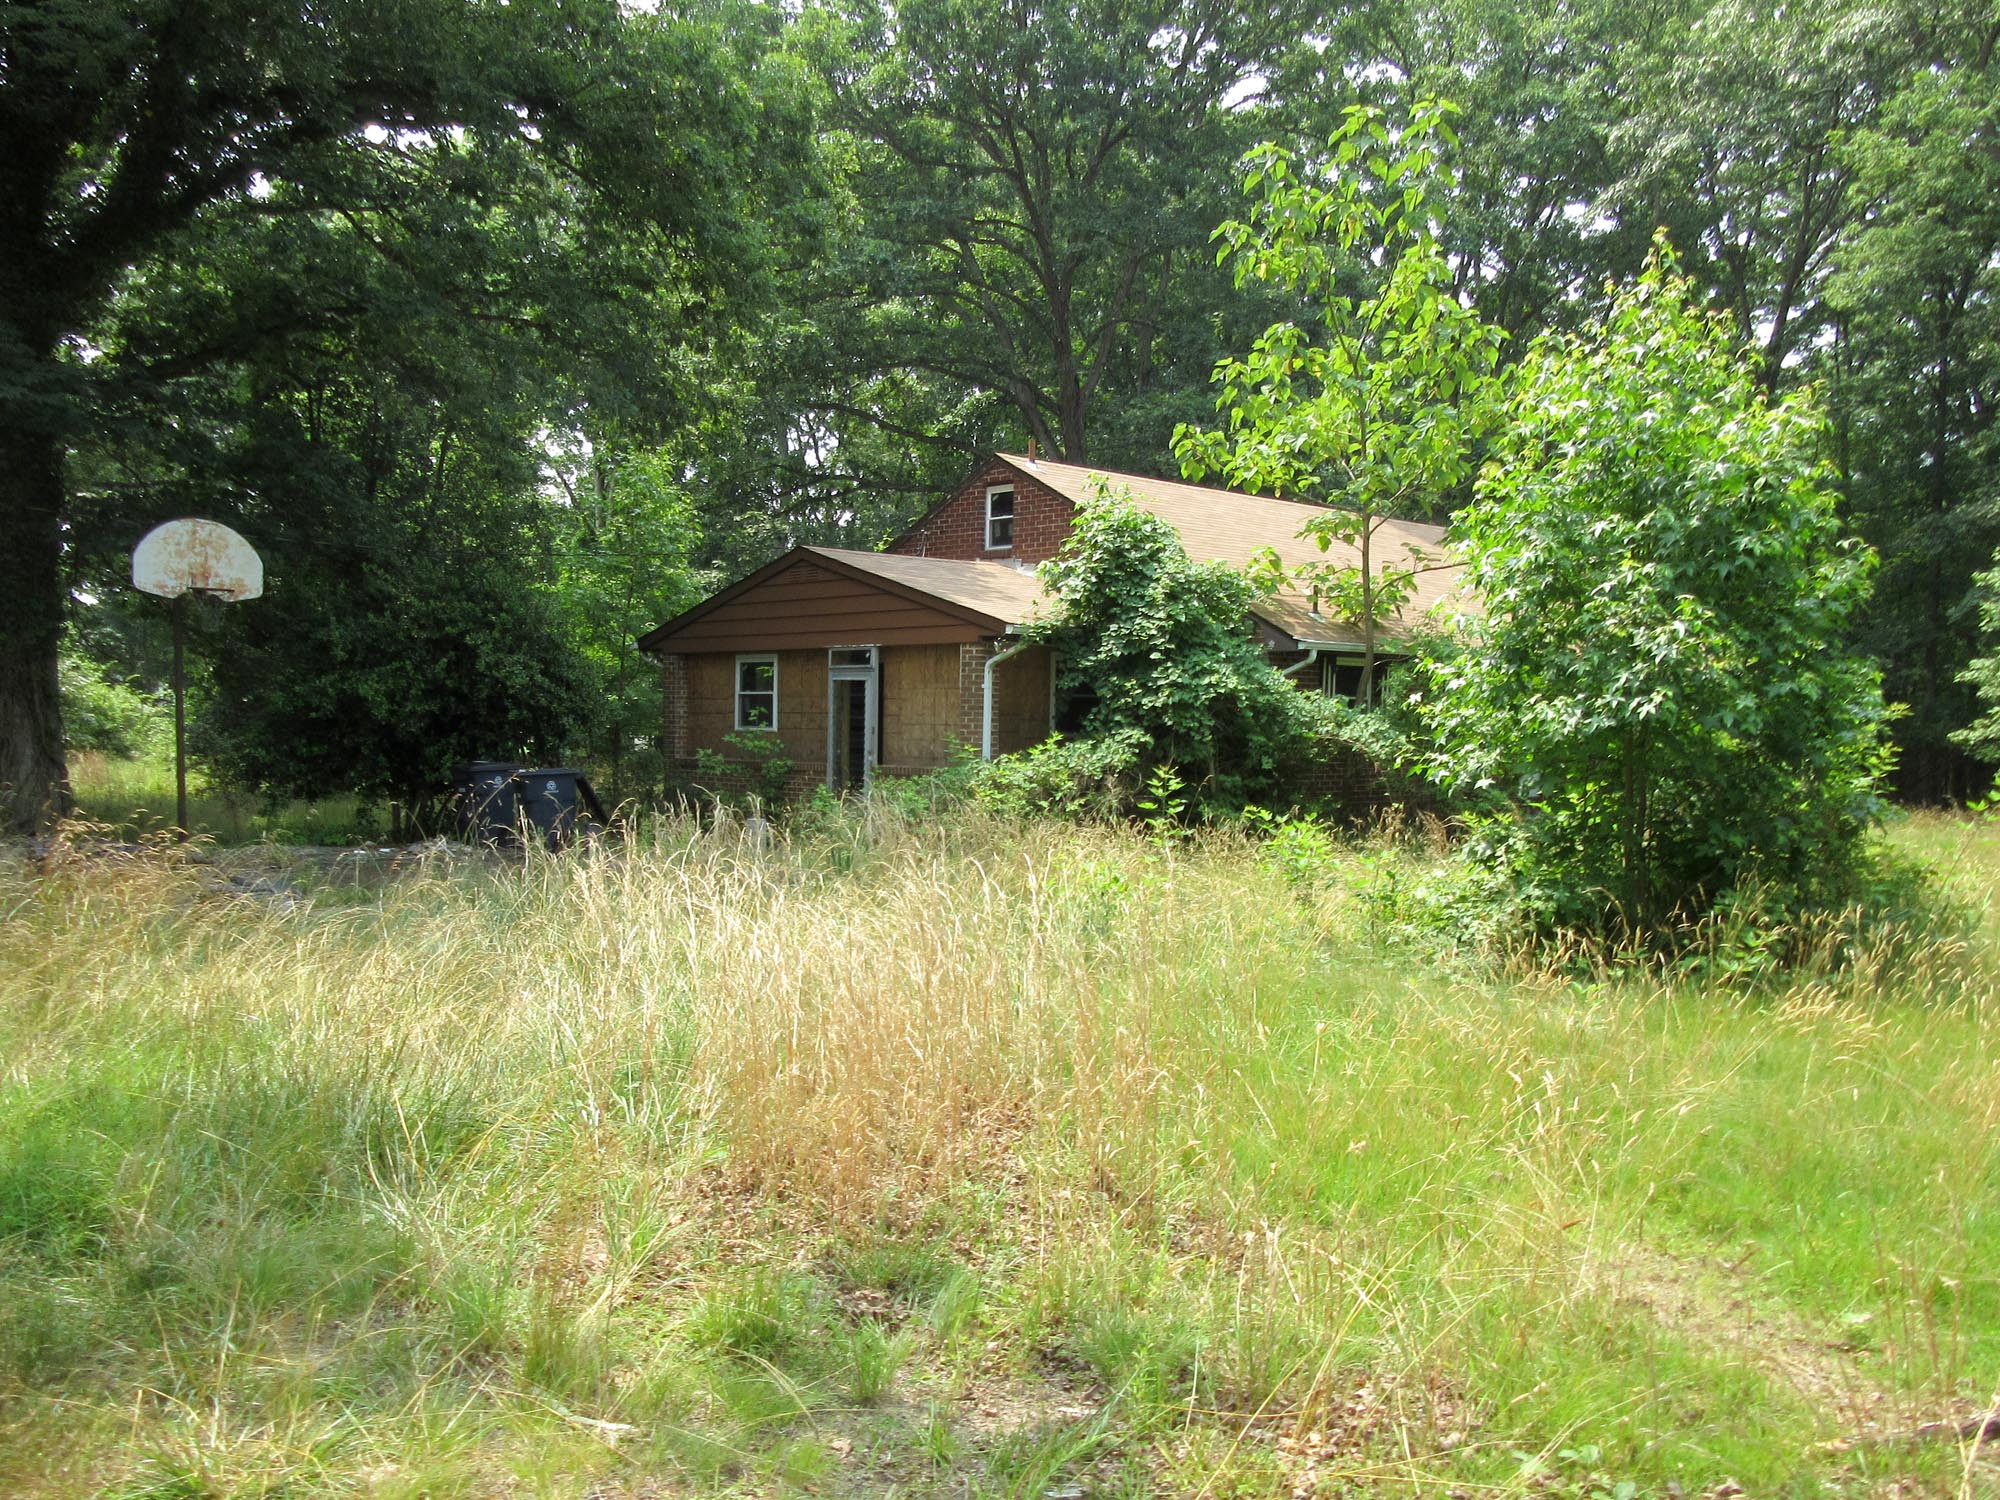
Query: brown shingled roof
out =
(1227, 526)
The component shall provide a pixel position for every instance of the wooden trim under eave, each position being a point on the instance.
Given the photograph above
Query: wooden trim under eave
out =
(658, 640)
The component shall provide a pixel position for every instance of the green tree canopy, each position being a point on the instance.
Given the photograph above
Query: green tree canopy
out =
(1657, 685)
(1032, 188)
(133, 128)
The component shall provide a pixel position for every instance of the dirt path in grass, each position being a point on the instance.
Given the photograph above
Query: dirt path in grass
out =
(1713, 1303)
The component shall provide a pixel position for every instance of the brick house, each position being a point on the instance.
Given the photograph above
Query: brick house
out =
(867, 663)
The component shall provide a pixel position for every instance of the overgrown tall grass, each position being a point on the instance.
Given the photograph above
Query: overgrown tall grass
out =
(135, 798)
(959, 1158)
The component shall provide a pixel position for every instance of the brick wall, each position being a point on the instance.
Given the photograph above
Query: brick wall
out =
(957, 528)
(1342, 781)
(674, 739)
(972, 659)
(1347, 785)
(1020, 695)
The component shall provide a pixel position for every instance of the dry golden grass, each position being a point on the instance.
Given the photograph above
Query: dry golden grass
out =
(710, 1165)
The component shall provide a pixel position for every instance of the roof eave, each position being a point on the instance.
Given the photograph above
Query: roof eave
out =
(653, 642)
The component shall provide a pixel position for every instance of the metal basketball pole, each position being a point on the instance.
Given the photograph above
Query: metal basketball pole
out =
(179, 604)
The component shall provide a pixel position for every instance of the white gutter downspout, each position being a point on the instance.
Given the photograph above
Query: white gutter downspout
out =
(986, 709)
(1312, 655)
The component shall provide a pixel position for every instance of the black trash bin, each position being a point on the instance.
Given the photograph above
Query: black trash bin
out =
(489, 801)
(555, 801)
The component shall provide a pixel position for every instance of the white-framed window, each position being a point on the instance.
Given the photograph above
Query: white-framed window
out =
(1340, 677)
(1000, 518)
(756, 692)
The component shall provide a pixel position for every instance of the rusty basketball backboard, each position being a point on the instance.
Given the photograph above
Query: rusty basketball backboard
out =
(190, 556)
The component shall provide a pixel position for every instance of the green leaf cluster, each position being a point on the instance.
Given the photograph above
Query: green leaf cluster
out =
(1377, 400)
(111, 716)
(1657, 688)
(1165, 647)
(1982, 674)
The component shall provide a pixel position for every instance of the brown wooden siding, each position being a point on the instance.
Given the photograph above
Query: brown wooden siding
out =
(809, 605)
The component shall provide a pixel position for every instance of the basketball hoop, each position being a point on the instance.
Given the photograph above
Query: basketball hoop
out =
(185, 557)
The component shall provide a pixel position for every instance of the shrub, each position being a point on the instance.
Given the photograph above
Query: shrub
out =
(1164, 646)
(1094, 777)
(113, 717)
(1658, 689)
(758, 775)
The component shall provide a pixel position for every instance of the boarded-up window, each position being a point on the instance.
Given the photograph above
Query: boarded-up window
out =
(756, 692)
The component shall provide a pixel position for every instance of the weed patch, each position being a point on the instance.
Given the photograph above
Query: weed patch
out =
(971, 1157)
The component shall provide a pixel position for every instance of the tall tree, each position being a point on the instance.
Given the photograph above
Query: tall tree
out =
(392, 463)
(1915, 370)
(1035, 187)
(627, 538)
(129, 123)
(1544, 89)
(1373, 398)
(1733, 147)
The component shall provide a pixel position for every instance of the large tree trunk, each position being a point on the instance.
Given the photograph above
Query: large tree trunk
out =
(34, 785)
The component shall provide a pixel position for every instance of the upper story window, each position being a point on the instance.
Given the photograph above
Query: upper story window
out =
(999, 518)
(756, 692)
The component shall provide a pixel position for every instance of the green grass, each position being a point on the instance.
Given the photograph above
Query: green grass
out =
(135, 799)
(967, 1160)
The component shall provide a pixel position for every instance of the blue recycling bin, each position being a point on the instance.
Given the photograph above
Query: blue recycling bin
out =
(488, 801)
(554, 802)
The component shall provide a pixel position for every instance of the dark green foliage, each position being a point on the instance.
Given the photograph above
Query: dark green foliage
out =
(187, 186)
(382, 669)
(1165, 644)
(628, 534)
(1982, 735)
(1916, 384)
(1658, 689)
(114, 717)
(1093, 777)
(1032, 191)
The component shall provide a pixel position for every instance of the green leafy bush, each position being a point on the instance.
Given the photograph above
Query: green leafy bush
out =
(1449, 908)
(1299, 848)
(114, 717)
(1982, 674)
(757, 776)
(1094, 777)
(1164, 645)
(1658, 694)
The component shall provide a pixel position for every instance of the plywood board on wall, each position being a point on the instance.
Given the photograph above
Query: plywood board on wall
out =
(1021, 700)
(801, 704)
(919, 706)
